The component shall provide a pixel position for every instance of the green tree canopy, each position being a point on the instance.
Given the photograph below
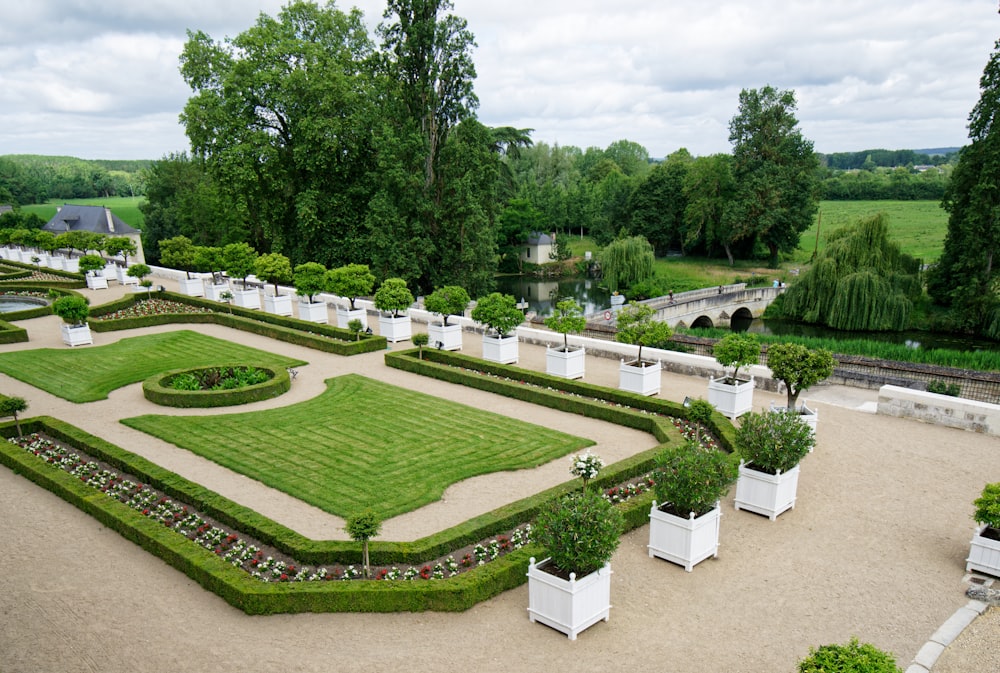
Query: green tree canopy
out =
(499, 312)
(273, 267)
(238, 260)
(566, 318)
(447, 300)
(627, 261)
(637, 327)
(178, 253)
(309, 279)
(351, 281)
(798, 367)
(393, 296)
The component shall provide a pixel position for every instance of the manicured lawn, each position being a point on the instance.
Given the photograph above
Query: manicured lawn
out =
(364, 443)
(90, 373)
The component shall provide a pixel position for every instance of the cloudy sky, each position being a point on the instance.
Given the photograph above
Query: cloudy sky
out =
(98, 79)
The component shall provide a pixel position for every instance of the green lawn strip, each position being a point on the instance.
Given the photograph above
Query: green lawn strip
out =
(364, 443)
(90, 374)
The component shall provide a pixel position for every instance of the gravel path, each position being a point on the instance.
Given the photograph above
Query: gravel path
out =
(875, 547)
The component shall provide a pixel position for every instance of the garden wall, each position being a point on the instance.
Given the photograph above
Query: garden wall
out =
(953, 412)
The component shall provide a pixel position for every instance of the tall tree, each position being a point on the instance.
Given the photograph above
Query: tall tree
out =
(708, 189)
(967, 277)
(775, 170)
(658, 203)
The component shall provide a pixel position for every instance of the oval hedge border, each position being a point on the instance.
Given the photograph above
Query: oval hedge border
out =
(155, 391)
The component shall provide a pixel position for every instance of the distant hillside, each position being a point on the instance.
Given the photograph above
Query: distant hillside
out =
(938, 151)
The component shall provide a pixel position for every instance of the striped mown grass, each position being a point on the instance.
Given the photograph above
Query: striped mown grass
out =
(89, 374)
(364, 444)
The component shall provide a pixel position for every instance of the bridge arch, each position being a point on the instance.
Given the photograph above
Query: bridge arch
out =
(703, 321)
(742, 313)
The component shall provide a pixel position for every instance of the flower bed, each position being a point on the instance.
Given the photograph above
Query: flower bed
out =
(148, 307)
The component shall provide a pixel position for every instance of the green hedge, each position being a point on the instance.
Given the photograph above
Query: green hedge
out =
(12, 334)
(155, 391)
(290, 330)
(31, 313)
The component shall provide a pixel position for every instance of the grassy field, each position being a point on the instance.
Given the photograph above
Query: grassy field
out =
(90, 374)
(125, 207)
(363, 443)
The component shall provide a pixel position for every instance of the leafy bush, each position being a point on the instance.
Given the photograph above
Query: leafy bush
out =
(690, 478)
(773, 442)
(851, 658)
(941, 388)
(72, 309)
(580, 531)
(988, 506)
(637, 327)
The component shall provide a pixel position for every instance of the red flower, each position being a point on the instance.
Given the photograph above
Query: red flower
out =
(425, 572)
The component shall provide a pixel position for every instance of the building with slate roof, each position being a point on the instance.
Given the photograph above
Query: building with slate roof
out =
(96, 219)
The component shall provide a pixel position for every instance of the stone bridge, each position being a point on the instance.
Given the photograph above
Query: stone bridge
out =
(708, 307)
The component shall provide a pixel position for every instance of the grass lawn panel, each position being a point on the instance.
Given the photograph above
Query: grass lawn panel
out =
(364, 443)
(89, 374)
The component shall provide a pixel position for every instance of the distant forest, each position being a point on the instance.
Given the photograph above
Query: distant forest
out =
(29, 178)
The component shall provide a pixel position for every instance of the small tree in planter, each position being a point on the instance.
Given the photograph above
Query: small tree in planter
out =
(363, 527)
(420, 339)
(91, 265)
(566, 318)
(139, 272)
(275, 268)
(209, 258)
(732, 396)
(392, 297)
(447, 300)
(684, 519)
(637, 327)
(984, 554)
(798, 367)
(309, 280)
(350, 281)
(571, 589)
(239, 260)
(12, 406)
(499, 313)
(770, 445)
(180, 253)
(851, 658)
(122, 245)
(73, 310)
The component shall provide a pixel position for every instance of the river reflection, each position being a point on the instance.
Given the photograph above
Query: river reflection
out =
(542, 294)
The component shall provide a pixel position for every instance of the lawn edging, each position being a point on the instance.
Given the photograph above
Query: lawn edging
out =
(154, 390)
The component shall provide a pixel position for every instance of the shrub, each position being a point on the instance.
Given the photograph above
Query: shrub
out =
(988, 506)
(941, 388)
(580, 531)
(854, 657)
(692, 479)
(72, 309)
(773, 442)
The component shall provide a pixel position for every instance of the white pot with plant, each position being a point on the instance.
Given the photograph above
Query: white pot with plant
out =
(74, 311)
(239, 261)
(275, 268)
(93, 267)
(771, 446)
(500, 316)
(350, 282)
(570, 590)
(984, 551)
(636, 327)
(391, 299)
(450, 300)
(799, 368)
(566, 362)
(730, 394)
(180, 253)
(689, 481)
(309, 280)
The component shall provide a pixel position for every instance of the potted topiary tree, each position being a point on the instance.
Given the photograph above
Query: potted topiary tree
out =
(391, 298)
(984, 554)
(120, 245)
(12, 406)
(350, 281)
(447, 300)
(851, 658)
(275, 268)
(799, 368)
(310, 279)
(770, 446)
(731, 395)
(74, 310)
(180, 253)
(571, 589)
(637, 327)
(569, 363)
(93, 267)
(139, 273)
(239, 261)
(209, 258)
(684, 519)
(499, 313)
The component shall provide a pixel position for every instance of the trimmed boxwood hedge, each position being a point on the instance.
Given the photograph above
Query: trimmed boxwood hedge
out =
(155, 391)
(12, 334)
(37, 312)
(290, 330)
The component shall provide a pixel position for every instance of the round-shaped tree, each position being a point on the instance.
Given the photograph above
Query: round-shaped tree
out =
(72, 309)
(419, 340)
(580, 531)
(273, 268)
(351, 281)
(393, 296)
(737, 349)
(90, 263)
(12, 406)
(179, 253)
(124, 246)
(567, 318)
(499, 312)
(447, 300)
(363, 527)
(637, 327)
(798, 367)
(309, 279)
(238, 260)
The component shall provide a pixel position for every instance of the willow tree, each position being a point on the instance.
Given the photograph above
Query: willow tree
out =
(861, 281)
(627, 261)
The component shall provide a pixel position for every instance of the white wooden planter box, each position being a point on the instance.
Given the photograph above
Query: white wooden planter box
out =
(569, 364)
(124, 278)
(315, 312)
(767, 494)
(71, 264)
(95, 282)
(637, 379)
(246, 298)
(43, 259)
(192, 287)
(731, 400)
(394, 329)
(685, 542)
(569, 606)
(346, 315)
(280, 304)
(55, 262)
(984, 554)
(502, 349)
(448, 336)
(5, 253)
(25, 256)
(808, 416)
(76, 335)
(214, 291)
(111, 271)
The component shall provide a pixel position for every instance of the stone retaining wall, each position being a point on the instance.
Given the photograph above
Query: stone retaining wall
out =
(953, 412)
